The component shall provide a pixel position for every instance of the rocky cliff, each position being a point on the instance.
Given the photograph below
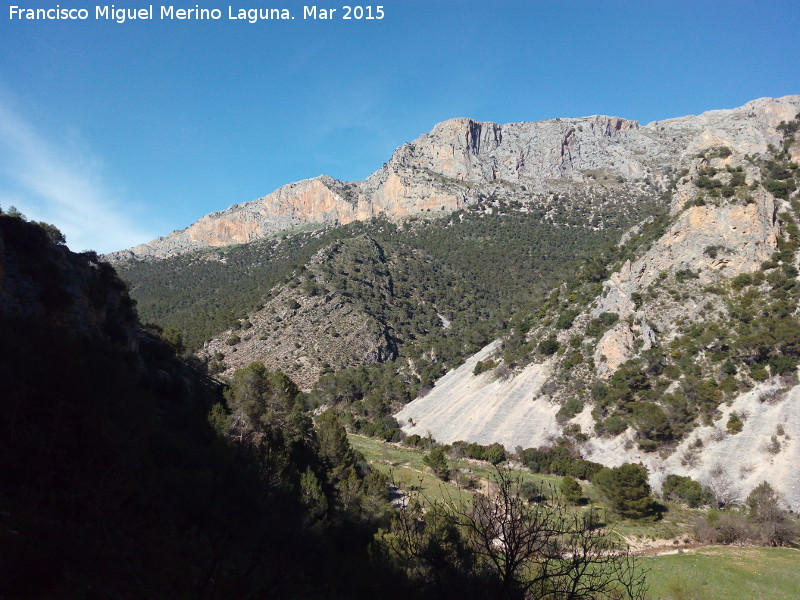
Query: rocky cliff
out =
(462, 161)
(687, 360)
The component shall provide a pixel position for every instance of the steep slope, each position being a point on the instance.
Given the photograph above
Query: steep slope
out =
(687, 358)
(315, 323)
(485, 408)
(461, 161)
(518, 412)
(124, 474)
(314, 303)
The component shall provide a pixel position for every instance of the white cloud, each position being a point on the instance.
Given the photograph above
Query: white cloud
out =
(53, 182)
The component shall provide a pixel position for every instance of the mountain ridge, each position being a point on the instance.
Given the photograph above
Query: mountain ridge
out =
(462, 160)
(659, 272)
(685, 358)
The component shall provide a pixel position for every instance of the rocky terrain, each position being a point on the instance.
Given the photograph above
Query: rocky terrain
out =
(698, 324)
(462, 161)
(682, 354)
(329, 330)
(517, 412)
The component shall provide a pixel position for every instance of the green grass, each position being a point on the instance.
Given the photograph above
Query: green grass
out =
(710, 573)
(405, 467)
(726, 573)
(677, 522)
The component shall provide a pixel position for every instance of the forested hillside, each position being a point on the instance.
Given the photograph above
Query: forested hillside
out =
(439, 270)
(127, 473)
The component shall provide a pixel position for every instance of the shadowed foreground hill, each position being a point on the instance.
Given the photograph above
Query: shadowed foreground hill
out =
(113, 482)
(125, 473)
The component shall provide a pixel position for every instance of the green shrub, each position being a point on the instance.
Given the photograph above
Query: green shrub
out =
(779, 189)
(565, 320)
(608, 318)
(627, 491)
(482, 366)
(720, 152)
(686, 489)
(652, 424)
(684, 274)
(571, 490)
(741, 280)
(782, 364)
(611, 426)
(548, 347)
(729, 368)
(495, 453)
(437, 461)
(569, 409)
(734, 424)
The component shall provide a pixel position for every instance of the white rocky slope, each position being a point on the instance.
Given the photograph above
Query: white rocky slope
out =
(484, 409)
(462, 160)
(514, 412)
(681, 280)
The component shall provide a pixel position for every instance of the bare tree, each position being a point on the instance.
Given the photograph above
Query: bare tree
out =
(545, 550)
(721, 485)
(518, 550)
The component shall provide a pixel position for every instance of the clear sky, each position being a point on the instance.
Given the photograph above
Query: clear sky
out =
(118, 133)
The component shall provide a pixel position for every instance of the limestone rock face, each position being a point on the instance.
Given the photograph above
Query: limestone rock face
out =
(462, 160)
(747, 235)
(613, 349)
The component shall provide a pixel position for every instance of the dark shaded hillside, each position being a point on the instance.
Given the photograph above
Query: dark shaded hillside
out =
(114, 483)
(125, 473)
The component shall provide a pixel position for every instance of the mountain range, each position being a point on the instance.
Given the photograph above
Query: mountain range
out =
(626, 291)
(461, 161)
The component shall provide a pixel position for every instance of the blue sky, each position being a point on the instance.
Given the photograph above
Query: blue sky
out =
(118, 133)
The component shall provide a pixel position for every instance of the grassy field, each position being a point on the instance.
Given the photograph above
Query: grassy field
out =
(710, 573)
(407, 470)
(726, 573)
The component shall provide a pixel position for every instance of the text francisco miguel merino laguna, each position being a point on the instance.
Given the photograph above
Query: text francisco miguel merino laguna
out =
(169, 13)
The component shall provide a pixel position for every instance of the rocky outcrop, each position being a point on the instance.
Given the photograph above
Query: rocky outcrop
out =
(327, 334)
(44, 283)
(462, 161)
(331, 327)
(745, 236)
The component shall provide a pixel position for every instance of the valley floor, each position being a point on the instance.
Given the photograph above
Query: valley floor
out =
(725, 573)
(679, 567)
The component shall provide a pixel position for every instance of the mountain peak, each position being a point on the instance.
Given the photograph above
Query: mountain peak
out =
(462, 160)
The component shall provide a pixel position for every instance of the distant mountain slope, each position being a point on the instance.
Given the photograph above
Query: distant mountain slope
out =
(461, 161)
(686, 358)
(317, 302)
(517, 412)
